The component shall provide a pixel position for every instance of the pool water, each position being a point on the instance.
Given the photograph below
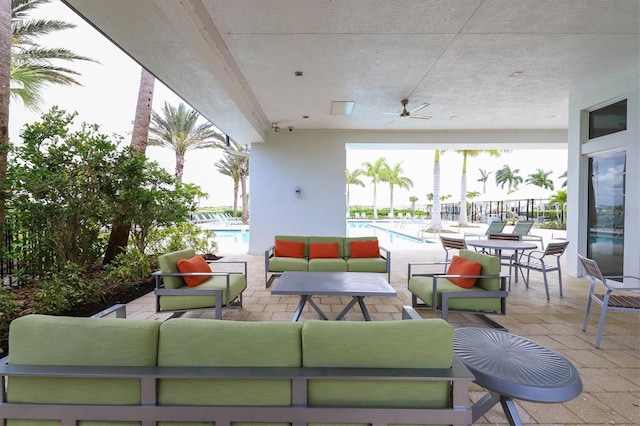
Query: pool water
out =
(237, 240)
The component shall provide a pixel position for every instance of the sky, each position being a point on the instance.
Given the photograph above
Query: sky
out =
(108, 97)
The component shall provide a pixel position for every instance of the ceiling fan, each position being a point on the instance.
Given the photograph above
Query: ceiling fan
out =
(410, 114)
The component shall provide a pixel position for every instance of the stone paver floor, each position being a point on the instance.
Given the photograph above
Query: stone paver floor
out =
(611, 375)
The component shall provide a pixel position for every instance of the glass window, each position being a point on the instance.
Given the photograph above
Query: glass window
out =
(606, 211)
(606, 120)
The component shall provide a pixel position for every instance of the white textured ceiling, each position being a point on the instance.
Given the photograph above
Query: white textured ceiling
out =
(234, 60)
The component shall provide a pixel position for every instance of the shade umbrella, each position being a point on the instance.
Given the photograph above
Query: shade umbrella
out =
(529, 193)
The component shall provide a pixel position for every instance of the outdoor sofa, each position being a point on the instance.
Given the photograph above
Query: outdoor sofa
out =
(329, 254)
(193, 370)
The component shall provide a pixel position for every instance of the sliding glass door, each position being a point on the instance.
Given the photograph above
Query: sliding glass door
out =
(606, 211)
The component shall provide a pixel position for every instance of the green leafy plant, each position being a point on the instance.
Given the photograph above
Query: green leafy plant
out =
(182, 236)
(129, 268)
(66, 289)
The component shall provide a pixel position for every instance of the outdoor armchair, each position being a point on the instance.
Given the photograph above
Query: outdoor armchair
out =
(487, 295)
(221, 284)
(623, 301)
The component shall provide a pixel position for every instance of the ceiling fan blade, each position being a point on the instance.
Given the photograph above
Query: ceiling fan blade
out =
(423, 117)
(388, 113)
(419, 107)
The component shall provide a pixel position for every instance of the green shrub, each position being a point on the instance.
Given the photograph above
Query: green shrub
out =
(182, 236)
(128, 269)
(66, 289)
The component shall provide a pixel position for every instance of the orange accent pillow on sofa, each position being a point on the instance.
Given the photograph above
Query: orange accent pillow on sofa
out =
(286, 248)
(324, 251)
(462, 266)
(194, 264)
(367, 248)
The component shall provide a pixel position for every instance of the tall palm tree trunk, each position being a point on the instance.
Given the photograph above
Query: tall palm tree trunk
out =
(463, 220)
(121, 227)
(245, 201)
(436, 221)
(5, 78)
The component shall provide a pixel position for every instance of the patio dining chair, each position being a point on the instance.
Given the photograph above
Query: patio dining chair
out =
(451, 243)
(538, 260)
(607, 300)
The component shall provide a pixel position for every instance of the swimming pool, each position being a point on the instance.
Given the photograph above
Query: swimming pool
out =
(237, 240)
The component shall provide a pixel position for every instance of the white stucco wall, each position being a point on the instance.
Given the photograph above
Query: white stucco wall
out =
(311, 161)
(615, 87)
(315, 161)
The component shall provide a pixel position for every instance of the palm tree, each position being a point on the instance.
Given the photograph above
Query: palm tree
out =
(564, 176)
(463, 221)
(507, 176)
(353, 178)
(177, 129)
(393, 176)
(5, 72)
(121, 227)
(540, 178)
(436, 220)
(484, 177)
(375, 171)
(33, 67)
(236, 167)
(413, 200)
(561, 199)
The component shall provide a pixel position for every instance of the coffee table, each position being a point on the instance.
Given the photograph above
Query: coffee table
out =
(358, 285)
(512, 367)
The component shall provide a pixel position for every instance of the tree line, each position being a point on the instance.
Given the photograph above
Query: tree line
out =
(380, 171)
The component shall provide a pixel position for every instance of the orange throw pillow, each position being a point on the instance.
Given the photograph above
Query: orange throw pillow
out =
(324, 251)
(368, 248)
(461, 266)
(194, 264)
(286, 248)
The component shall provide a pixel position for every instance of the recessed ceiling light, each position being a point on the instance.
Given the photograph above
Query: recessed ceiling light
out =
(516, 73)
(305, 116)
(342, 107)
(298, 73)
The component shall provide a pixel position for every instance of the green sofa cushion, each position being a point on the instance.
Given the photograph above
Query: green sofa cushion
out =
(196, 342)
(281, 264)
(367, 265)
(168, 263)
(51, 340)
(380, 344)
(328, 265)
(237, 284)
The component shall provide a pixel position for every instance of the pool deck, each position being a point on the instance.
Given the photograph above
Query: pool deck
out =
(611, 375)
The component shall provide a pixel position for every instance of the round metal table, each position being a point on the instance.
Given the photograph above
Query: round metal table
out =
(512, 367)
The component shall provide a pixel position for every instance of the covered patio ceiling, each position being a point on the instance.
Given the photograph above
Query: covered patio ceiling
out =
(480, 64)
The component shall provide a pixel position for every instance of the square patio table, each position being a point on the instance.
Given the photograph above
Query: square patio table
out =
(358, 285)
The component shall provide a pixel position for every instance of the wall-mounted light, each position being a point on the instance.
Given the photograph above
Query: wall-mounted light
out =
(298, 192)
(275, 127)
